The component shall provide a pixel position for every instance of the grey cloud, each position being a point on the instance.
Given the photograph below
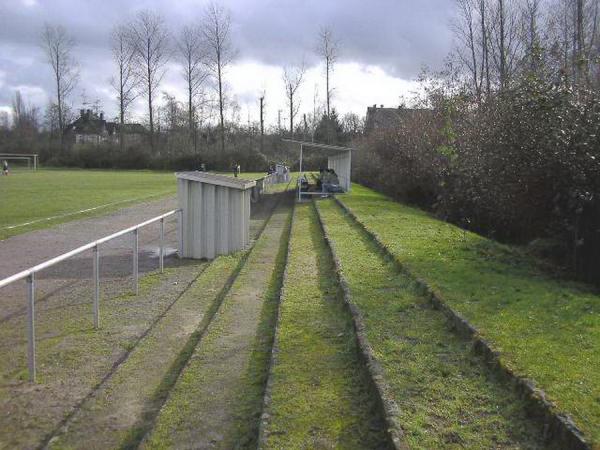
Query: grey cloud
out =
(398, 35)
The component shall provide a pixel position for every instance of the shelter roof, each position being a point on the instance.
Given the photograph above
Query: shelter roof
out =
(325, 148)
(218, 180)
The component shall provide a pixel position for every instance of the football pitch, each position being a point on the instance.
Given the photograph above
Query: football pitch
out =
(33, 200)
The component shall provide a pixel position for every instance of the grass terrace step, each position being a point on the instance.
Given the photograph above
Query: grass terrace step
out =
(217, 400)
(72, 357)
(319, 394)
(545, 329)
(446, 395)
(125, 404)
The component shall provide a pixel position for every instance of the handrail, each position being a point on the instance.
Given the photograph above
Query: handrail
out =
(27, 272)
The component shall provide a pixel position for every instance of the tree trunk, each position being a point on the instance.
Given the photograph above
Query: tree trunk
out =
(327, 82)
(502, 44)
(474, 57)
(151, 118)
(150, 112)
(121, 109)
(262, 125)
(59, 99)
(579, 44)
(191, 121)
(221, 103)
(485, 49)
(291, 115)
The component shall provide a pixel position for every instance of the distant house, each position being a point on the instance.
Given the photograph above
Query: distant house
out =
(133, 133)
(91, 128)
(382, 119)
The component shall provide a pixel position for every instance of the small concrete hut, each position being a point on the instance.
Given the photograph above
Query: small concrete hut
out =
(216, 213)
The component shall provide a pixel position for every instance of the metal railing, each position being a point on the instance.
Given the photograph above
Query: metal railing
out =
(29, 274)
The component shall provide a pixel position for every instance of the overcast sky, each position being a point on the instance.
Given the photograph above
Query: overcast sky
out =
(385, 43)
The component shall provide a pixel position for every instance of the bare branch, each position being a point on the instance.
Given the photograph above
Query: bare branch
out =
(126, 82)
(192, 53)
(328, 48)
(58, 47)
(150, 43)
(292, 79)
(216, 29)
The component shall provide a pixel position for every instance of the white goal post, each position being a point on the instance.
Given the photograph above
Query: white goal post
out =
(31, 158)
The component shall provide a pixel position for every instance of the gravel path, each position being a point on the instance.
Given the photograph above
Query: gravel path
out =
(23, 251)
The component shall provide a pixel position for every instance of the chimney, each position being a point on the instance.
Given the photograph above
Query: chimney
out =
(82, 112)
(101, 116)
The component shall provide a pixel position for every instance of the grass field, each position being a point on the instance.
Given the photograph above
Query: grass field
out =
(545, 329)
(34, 200)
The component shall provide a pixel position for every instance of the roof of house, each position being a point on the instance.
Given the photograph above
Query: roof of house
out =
(380, 118)
(88, 125)
(90, 122)
(131, 128)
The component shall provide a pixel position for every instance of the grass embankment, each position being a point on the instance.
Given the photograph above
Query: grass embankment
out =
(446, 395)
(319, 395)
(72, 356)
(119, 413)
(59, 195)
(217, 400)
(546, 329)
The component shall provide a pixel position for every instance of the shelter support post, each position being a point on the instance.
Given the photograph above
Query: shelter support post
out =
(96, 273)
(31, 327)
(135, 261)
(161, 250)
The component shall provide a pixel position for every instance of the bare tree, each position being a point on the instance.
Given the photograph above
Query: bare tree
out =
(150, 42)
(125, 83)
(262, 122)
(505, 50)
(58, 47)
(485, 50)
(531, 13)
(25, 116)
(328, 49)
(216, 28)
(292, 79)
(193, 54)
(465, 31)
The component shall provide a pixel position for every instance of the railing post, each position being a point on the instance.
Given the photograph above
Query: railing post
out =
(161, 250)
(96, 270)
(135, 260)
(180, 229)
(31, 327)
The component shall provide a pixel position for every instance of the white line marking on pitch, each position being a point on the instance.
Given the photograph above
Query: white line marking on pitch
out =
(46, 219)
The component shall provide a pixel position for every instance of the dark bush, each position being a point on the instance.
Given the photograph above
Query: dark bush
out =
(522, 165)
